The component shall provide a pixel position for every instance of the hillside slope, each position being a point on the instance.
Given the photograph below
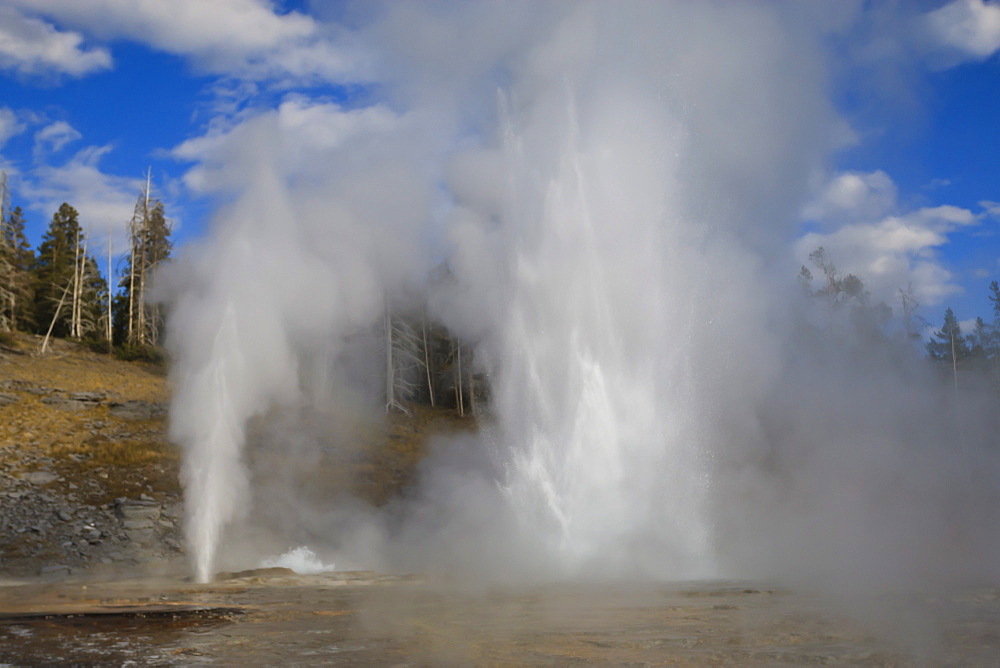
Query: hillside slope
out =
(89, 480)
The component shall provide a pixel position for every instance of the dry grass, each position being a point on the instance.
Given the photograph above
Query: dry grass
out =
(84, 446)
(129, 457)
(392, 453)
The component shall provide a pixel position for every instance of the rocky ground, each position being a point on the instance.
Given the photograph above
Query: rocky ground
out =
(87, 477)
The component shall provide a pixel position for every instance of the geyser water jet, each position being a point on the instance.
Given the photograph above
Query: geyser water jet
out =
(603, 469)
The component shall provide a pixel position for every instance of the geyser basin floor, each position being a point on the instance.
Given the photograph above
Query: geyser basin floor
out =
(364, 619)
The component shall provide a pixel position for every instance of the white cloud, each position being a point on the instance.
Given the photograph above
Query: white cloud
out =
(31, 46)
(854, 195)
(969, 27)
(240, 37)
(934, 184)
(105, 201)
(10, 125)
(54, 137)
(886, 249)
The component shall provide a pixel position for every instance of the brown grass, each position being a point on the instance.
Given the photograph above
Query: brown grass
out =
(126, 457)
(392, 453)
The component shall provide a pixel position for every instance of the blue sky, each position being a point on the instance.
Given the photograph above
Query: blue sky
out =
(94, 92)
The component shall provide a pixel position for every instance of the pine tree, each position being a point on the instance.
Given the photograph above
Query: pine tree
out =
(54, 269)
(910, 317)
(68, 285)
(979, 341)
(7, 271)
(15, 263)
(992, 343)
(22, 257)
(993, 349)
(948, 344)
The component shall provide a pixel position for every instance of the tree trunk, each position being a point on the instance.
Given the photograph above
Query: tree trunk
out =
(427, 360)
(62, 300)
(390, 377)
(458, 385)
(109, 332)
(74, 318)
(954, 366)
(131, 284)
(143, 252)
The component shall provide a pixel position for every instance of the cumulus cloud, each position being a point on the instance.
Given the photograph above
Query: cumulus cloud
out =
(866, 235)
(854, 195)
(242, 37)
(10, 125)
(31, 46)
(105, 201)
(969, 28)
(53, 137)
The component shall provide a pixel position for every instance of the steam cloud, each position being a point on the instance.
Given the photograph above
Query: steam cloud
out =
(613, 187)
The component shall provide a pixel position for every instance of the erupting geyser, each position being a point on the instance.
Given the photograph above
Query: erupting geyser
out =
(612, 187)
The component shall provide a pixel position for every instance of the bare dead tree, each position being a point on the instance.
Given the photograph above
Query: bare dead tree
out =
(427, 357)
(136, 271)
(404, 361)
(8, 269)
(76, 315)
(459, 394)
(55, 318)
(108, 329)
(148, 247)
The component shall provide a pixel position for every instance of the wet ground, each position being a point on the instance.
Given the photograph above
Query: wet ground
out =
(279, 618)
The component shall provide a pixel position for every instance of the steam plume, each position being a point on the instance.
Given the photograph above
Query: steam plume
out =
(613, 187)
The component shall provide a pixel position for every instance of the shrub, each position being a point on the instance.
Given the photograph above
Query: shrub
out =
(150, 354)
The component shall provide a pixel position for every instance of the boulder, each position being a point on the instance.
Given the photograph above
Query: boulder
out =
(40, 477)
(137, 410)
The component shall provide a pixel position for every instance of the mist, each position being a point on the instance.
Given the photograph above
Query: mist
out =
(614, 189)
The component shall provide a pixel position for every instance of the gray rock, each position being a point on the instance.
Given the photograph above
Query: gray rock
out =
(141, 536)
(131, 525)
(88, 397)
(137, 410)
(64, 515)
(138, 510)
(40, 477)
(67, 404)
(7, 399)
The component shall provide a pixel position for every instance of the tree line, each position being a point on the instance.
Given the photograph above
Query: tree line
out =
(949, 348)
(58, 290)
